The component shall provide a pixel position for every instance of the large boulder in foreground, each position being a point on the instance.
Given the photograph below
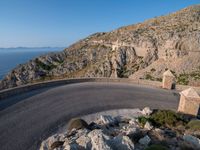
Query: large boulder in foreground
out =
(77, 123)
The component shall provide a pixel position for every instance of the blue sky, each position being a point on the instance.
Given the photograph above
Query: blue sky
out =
(37, 23)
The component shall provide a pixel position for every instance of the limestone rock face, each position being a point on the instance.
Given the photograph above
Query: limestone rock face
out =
(144, 50)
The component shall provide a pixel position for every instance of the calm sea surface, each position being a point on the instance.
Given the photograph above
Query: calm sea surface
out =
(10, 58)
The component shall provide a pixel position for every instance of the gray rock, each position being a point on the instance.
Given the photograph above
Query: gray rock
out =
(146, 111)
(192, 140)
(145, 140)
(85, 142)
(122, 143)
(148, 126)
(71, 146)
(133, 121)
(45, 145)
(106, 120)
(99, 140)
(131, 130)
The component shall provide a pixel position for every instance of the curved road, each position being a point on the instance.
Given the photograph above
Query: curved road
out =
(28, 118)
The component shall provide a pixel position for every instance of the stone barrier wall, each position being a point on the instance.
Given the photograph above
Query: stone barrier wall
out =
(25, 88)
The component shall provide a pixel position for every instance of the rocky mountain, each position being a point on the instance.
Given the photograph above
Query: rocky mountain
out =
(141, 51)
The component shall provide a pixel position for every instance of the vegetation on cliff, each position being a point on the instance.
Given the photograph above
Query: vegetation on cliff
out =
(140, 51)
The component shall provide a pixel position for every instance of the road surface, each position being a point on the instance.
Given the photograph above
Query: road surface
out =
(28, 118)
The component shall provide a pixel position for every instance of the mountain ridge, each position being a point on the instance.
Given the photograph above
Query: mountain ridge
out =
(140, 51)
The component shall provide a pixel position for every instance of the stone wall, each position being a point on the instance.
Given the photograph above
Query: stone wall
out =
(25, 88)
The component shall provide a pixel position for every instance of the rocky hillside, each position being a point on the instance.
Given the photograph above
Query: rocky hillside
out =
(150, 130)
(144, 50)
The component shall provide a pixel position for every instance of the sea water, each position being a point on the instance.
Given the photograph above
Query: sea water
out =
(11, 57)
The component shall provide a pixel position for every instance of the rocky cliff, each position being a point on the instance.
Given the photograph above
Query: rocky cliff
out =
(144, 50)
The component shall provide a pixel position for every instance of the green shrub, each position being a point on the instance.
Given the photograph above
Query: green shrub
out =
(194, 125)
(166, 118)
(43, 65)
(142, 120)
(148, 77)
(156, 147)
(77, 124)
(183, 79)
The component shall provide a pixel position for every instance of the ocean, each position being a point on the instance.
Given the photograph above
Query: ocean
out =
(11, 57)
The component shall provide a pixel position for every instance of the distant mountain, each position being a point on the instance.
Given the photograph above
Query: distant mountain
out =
(141, 51)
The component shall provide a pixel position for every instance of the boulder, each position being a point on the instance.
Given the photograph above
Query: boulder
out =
(122, 143)
(77, 123)
(145, 140)
(93, 126)
(71, 146)
(133, 121)
(192, 140)
(84, 141)
(148, 126)
(99, 140)
(147, 111)
(130, 130)
(53, 142)
(122, 119)
(136, 136)
(106, 120)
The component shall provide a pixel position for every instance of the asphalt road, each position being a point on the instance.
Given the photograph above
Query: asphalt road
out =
(28, 118)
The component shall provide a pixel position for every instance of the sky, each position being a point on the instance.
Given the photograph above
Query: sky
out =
(59, 23)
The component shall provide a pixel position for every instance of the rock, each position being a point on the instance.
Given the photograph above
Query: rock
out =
(148, 126)
(170, 133)
(99, 140)
(106, 120)
(71, 146)
(159, 130)
(145, 140)
(146, 111)
(93, 126)
(130, 130)
(136, 136)
(77, 123)
(53, 141)
(122, 143)
(84, 141)
(122, 119)
(192, 140)
(57, 144)
(133, 121)
(156, 137)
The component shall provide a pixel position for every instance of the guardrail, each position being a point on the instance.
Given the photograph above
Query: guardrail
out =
(28, 87)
